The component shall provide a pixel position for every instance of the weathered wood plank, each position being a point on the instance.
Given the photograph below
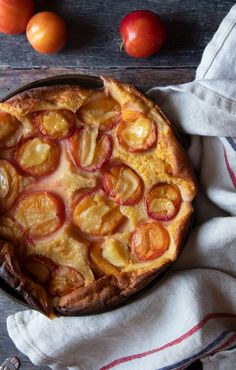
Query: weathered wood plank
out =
(94, 34)
(144, 79)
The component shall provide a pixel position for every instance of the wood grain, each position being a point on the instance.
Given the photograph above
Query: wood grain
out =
(144, 79)
(94, 39)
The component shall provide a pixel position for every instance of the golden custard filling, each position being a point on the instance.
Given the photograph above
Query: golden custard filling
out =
(92, 192)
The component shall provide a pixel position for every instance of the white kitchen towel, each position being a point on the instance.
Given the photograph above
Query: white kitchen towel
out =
(191, 313)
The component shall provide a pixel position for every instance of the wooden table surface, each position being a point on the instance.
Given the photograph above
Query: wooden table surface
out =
(93, 48)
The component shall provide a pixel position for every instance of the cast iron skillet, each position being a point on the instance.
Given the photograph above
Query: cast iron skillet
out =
(84, 81)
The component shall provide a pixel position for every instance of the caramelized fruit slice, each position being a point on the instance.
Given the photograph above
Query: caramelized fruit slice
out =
(38, 156)
(163, 202)
(99, 264)
(56, 124)
(39, 213)
(9, 184)
(64, 250)
(40, 268)
(115, 252)
(96, 214)
(149, 241)
(10, 229)
(10, 130)
(60, 280)
(136, 132)
(64, 280)
(123, 185)
(103, 112)
(89, 150)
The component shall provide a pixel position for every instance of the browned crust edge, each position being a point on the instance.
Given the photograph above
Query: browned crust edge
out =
(11, 272)
(41, 98)
(109, 291)
(106, 293)
(112, 291)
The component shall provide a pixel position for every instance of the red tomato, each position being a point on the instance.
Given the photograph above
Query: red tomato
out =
(46, 32)
(143, 33)
(14, 15)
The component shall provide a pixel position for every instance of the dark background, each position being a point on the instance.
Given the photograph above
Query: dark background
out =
(94, 48)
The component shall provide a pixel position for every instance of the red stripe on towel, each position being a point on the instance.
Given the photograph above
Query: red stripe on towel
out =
(230, 171)
(227, 343)
(223, 346)
(178, 340)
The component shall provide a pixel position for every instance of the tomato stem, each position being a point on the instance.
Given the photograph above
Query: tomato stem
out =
(121, 46)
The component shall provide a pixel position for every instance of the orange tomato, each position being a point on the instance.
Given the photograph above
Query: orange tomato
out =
(46, 32)
(14, 15)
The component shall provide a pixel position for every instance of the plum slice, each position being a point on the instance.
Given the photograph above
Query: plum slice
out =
(58, 279)
(38, 156)
(56, 124)
(39, 213)
(136, 132)
(100, 264)
(90, 150)
(163, 202)
(123, 185)
(64, 280)
(149, 241)
(10, 130)
(9, 185)
(116, 252)
(40, 268)
(94, 213)
(102, 112)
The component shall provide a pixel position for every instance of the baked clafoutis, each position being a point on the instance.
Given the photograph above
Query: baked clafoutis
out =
(95, 196)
